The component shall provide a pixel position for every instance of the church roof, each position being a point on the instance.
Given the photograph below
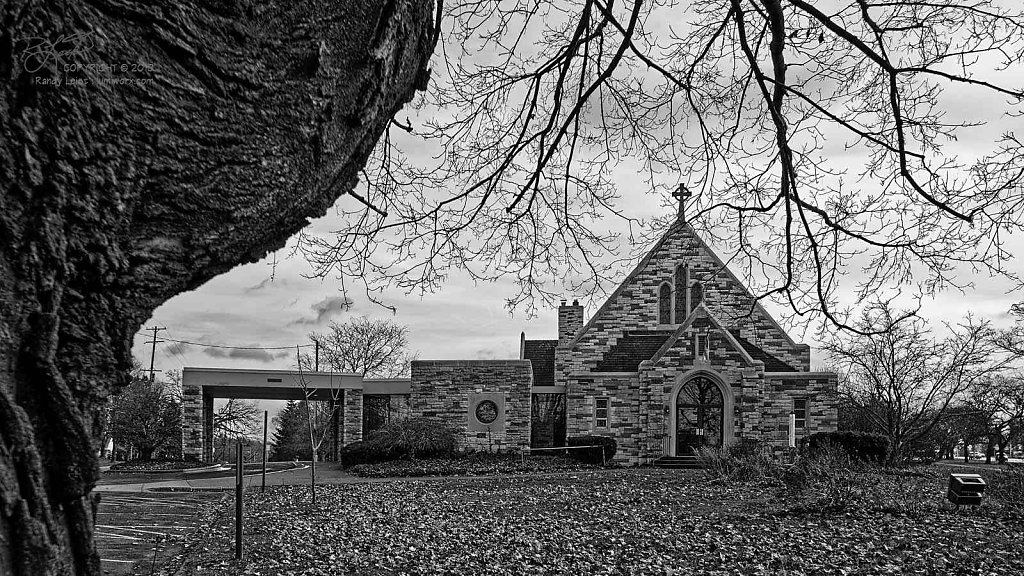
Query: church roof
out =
(541, 353)
(771, 363)
(633, 348)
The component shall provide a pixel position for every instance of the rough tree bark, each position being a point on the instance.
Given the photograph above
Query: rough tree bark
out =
(253, 118)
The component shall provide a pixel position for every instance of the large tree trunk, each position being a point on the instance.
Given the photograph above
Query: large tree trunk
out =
(115, 197)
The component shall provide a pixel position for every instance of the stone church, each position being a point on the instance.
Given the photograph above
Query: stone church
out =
(680, 356)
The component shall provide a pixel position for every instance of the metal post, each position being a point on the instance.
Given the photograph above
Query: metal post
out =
(238, 500)
(263, 479)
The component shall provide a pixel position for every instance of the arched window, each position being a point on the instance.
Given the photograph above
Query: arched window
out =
(665, 304)
(696, 294)
(682, 280)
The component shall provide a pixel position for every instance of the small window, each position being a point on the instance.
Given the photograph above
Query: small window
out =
(800, 410)
(701, 345)
(601, 412)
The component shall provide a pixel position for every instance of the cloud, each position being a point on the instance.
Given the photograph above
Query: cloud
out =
(324, 310)
(260, 286)
(177, 348)
(259, 355)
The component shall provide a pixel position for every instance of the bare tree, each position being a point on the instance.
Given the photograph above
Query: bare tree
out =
(1011, 339)
(998, 403)
(818, 138)
(371, 348)
(318, 416)
(903, 380)
(235, 419)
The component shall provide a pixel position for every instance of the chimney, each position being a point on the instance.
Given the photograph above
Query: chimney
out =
(522, 345)
(570, 320)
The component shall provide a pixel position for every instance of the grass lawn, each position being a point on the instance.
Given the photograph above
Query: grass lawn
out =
(609, 522)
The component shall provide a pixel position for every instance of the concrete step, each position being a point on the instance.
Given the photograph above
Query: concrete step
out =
(678, 462)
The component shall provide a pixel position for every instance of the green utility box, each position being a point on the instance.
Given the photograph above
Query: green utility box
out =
(965, 489)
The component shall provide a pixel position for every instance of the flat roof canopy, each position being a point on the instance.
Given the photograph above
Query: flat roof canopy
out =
(284, 384)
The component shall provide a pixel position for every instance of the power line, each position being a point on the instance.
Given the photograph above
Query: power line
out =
(234, 347)
(176, 352)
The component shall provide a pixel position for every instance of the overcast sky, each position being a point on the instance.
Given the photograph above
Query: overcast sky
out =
(245, 307)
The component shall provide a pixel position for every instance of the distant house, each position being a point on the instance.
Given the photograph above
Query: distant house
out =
(680, 356)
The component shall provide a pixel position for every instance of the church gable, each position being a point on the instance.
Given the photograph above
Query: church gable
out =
(678, 275)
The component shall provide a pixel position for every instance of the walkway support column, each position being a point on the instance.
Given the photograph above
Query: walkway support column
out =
(192, 422)
(207, 428)
(337, 410)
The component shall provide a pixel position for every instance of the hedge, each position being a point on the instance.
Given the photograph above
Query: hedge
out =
(411, 438)
(860, 446)
(592, 455)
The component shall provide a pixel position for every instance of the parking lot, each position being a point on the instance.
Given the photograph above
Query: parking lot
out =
(145, 527)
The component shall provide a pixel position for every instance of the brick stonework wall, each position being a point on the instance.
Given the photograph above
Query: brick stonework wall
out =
(822, 414)
(441, 389)
(192, 422)
(352, 417)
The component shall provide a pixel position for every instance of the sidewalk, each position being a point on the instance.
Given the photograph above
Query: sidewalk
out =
(326, 475)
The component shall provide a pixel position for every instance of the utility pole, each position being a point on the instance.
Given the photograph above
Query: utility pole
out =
(317, 355)
(152, 354)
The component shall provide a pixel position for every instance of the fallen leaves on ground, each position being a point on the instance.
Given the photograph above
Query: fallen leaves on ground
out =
(473, 465)
(611, 522)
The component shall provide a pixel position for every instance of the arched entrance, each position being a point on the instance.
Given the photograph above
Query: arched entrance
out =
(699, 415)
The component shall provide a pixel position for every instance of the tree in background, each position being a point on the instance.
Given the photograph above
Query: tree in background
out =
(998, 406)
(290, 440)
(146, 415)
(237, 418)
(901, 380)
(370, 348)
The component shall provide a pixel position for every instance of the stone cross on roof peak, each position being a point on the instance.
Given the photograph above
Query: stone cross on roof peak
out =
(681, 194)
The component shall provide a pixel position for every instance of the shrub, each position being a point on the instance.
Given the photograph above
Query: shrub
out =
(741, 462)
(859, 446)
(746, 447)
(1007, 486)
(592, 455)
(412, 438)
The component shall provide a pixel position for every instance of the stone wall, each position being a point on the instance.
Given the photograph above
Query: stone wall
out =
(622, 391)
(352, 429)
(191, 422)
(822, 407)
(442, 389)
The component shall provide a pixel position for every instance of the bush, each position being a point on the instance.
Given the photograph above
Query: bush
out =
(859, 446)
(412, 438)
(592, 455)
(741, 462)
